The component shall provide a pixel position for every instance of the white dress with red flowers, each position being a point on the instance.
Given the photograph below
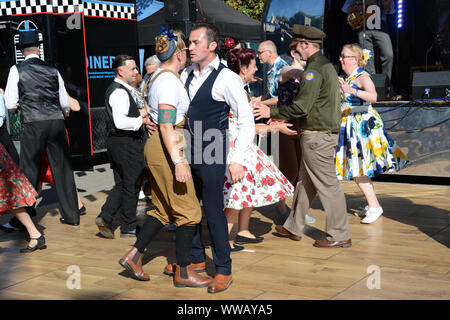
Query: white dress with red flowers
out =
(263, 184)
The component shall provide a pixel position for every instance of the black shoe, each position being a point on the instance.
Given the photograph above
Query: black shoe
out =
(237, 248)
(9, 228)
(82, 211)
(128, 234)
(40, 245)
(244, 240)
(63, 221)
(105, 228)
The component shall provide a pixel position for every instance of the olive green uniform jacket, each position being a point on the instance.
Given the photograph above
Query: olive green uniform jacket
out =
(317, 105)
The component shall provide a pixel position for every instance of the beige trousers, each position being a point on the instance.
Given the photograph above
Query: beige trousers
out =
(175, 202)
(318, 176)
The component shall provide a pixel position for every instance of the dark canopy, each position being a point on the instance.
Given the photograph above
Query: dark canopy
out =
(228, 20)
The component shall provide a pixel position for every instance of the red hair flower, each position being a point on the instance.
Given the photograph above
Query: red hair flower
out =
(229, 42)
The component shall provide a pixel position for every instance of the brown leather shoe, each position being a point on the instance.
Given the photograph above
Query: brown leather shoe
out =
(187, 277)
(283, 233)
(198, 267)
(220, 283)
(135, 269)
(324, 243)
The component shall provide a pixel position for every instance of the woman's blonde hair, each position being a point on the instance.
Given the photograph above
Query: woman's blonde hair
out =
(163, 43)
(358, 52)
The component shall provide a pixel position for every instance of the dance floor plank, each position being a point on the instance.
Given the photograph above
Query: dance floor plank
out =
(409, 245)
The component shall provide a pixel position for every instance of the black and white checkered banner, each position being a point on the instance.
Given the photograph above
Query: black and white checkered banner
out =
(94, 8)
(109, 9)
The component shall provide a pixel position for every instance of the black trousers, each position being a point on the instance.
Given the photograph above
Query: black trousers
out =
(6, 141)
(50, 134)
(208, 182)
(127, 161)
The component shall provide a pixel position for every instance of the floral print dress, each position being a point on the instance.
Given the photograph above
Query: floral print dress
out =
(287, 91)
(364, 147)
(263, 183)
(15, 189)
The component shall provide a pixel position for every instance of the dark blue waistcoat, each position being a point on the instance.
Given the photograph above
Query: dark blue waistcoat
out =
(211, 113)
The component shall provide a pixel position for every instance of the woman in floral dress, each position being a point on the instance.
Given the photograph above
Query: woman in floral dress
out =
(365, 149)
(16, 192)
(263, 184)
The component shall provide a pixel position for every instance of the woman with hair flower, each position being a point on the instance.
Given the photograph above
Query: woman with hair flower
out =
(264, 183)
(364, 149)
(228, 44)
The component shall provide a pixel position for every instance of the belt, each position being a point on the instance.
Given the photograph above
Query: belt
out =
(317, 131)
(359, 109)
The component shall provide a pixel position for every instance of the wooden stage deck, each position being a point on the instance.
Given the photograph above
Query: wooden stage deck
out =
(409, 244)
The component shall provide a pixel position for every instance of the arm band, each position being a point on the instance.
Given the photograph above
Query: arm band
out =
(167, 115)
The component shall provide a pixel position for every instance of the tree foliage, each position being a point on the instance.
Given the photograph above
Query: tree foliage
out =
(142, 4)
(251, 8)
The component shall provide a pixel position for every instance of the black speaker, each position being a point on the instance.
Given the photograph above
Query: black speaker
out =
(430, 85)
(179, 10)
(381, 82)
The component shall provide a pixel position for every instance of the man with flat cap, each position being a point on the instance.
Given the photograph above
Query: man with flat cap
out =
(317, 108)
(38, 89)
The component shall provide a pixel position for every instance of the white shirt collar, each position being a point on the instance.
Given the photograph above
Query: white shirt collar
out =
(126, 85)
(31, 56)
(212, 65)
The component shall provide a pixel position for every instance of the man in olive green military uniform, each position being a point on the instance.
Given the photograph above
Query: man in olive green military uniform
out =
(317, 107)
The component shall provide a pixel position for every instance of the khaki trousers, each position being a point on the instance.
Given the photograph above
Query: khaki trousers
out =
(175, 202)
(318, 176)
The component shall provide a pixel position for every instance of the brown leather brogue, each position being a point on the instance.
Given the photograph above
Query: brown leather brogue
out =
(324, 243)
(220, 283)
(187, 277)
(198, 267)
(283, 233)
(135, 269)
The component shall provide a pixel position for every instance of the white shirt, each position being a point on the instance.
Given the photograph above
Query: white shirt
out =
(2, 110)
(12, 89)
(167, 89)
(120, 104)
(228, 88)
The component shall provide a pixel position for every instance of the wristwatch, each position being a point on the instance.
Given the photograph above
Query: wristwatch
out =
(177, 161)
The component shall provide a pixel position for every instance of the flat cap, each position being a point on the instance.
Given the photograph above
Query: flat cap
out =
(311, 34)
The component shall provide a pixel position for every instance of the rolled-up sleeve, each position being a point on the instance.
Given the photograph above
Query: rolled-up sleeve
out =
(236, 97)
(63, 97)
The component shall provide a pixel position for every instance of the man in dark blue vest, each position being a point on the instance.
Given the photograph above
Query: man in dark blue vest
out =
(125, 144)
(38, 89)
(214, 91)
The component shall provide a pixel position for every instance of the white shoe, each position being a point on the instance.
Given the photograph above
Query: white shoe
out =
(362, 213)
(372, 215)
(142, 195)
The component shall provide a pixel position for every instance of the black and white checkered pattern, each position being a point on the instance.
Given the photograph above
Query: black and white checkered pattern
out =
(89, 7)
(109, 9)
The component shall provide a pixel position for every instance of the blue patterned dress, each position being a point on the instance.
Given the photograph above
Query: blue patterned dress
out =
(364, 147)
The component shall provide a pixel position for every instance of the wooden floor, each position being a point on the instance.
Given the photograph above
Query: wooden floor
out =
(409, 245)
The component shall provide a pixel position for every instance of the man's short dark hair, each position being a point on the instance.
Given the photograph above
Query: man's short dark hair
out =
(212, 33)
(31, 48)
(120, 61)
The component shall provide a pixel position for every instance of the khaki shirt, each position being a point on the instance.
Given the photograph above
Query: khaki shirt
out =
(317, 105)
